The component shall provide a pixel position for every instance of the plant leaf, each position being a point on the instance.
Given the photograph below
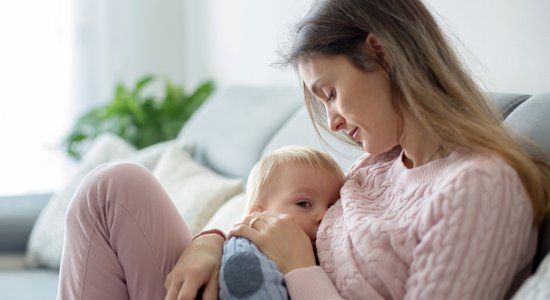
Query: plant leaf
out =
(138, 119)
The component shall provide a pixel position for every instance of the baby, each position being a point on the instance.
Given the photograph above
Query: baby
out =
(298, 181)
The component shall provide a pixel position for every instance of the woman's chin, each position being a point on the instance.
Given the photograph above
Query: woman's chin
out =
(375, 150)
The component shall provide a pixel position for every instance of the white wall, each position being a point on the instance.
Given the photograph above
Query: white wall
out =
(505, 42)
(189, 41)
(235, 42)
(121, 40)
(510, 40)
(36, 83)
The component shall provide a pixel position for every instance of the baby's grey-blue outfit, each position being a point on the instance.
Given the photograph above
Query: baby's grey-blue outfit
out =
(246, 273)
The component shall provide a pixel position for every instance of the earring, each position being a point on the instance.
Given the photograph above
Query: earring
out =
(387, 76)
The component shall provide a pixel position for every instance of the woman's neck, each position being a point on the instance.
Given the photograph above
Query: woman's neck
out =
(419, 146)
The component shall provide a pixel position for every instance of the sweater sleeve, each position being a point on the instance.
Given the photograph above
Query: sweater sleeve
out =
(473, 236)
(310, 283)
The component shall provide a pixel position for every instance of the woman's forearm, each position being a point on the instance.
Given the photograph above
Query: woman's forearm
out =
(310, 283)
(197, 267)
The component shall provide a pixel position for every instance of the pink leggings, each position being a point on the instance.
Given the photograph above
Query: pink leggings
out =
(123, 236)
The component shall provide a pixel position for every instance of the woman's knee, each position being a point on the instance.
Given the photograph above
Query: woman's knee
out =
(107, 180)
(122, 172)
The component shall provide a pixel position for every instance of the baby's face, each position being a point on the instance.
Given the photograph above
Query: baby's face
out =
(303, 192)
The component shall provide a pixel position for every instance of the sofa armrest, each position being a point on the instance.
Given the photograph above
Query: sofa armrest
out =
(17, 217)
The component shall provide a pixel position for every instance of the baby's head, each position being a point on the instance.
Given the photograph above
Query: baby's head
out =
(295, 180)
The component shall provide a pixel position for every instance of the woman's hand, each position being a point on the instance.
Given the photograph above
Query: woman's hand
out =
(279, 238)
(198, 266)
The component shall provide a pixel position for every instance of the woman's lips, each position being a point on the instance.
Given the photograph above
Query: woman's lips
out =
(353, 134)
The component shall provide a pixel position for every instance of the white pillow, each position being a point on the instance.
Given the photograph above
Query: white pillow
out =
(196, 191)
(537, 286)
(229, 214)
(149, 156)
(46, 240)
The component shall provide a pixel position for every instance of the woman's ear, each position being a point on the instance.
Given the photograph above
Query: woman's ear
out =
(373, 45)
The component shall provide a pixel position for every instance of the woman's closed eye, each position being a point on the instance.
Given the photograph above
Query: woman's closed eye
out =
(331, 95)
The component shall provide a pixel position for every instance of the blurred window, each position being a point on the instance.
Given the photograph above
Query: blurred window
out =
(36, 66)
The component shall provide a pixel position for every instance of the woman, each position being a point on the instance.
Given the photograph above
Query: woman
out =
(444, 205)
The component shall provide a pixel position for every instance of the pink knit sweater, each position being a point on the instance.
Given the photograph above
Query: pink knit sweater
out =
(455, 228)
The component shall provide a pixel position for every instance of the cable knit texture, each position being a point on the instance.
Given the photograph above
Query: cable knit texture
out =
(456, 228)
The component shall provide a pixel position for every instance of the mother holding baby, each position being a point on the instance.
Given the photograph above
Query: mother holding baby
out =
(444, 204)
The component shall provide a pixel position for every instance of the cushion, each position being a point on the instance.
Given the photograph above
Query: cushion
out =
(28, 284)
(46, 240)
(229, 214)
(530, 119)
(538, 285)
(196, 191)
(149, 156)
(298, 130)
(249, 117)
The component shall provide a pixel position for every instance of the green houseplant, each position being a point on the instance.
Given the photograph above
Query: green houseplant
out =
(140, 119)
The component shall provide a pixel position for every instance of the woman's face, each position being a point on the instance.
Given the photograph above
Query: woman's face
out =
(356, 102)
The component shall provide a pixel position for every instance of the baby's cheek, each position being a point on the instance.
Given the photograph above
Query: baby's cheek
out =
(312, 233)
(306, 228)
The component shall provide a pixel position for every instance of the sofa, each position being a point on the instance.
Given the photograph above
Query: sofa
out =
(227, 135)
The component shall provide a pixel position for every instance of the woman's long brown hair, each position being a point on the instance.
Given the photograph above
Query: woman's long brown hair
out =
(428, 80)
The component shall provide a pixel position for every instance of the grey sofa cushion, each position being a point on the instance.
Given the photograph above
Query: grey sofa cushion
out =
(537, 287)
(528, 116)
(530, 119)
(35, 284)
(17, 217)
(251, 116)
(507, 102)
(299, 130)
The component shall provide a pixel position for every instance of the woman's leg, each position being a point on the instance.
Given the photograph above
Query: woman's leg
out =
(123, 236)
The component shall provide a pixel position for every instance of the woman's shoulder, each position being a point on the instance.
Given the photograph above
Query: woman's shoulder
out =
(479, 169)
(471, 162)
(479, 182)
(459, 164)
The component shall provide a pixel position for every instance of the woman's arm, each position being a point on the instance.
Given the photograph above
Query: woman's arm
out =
(310, 283)
(475, 235)
(197, 267)
(280, 238)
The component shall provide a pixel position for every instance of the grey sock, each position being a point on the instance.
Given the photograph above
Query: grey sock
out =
(243, 274)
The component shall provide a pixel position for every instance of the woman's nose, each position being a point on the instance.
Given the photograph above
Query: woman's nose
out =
(335, 120)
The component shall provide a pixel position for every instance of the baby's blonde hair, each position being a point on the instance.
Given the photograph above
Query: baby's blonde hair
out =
(264, 169)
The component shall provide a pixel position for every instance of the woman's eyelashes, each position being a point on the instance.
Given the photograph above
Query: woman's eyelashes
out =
(325, 95)
(331, 95)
